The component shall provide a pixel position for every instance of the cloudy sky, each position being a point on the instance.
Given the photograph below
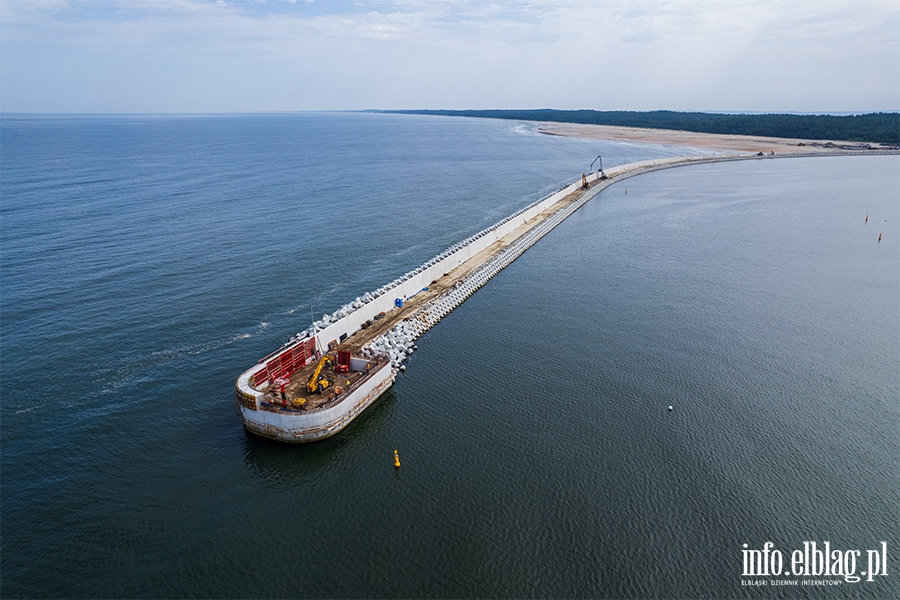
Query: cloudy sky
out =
(274, 55)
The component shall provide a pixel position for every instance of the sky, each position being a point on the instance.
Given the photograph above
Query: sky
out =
(213, 56)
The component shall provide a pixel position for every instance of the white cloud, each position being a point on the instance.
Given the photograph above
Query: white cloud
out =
(195, 55)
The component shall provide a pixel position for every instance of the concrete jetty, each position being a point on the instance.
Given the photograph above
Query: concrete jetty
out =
(381, 327)
(396, 336)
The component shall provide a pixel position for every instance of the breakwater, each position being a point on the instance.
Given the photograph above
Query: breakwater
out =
(459, 271)
(398, 343)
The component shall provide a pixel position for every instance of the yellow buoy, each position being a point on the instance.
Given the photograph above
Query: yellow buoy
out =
(396, 460)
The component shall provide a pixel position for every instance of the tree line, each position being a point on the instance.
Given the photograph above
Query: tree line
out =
(881, 127)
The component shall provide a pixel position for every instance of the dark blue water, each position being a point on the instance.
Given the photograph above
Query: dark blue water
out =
(147, 261)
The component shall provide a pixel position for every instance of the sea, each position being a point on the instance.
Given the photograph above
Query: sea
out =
(146, 261)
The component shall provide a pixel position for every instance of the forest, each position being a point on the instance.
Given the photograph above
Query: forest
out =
(881, 128)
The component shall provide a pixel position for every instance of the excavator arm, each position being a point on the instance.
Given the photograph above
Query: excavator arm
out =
(315, 383)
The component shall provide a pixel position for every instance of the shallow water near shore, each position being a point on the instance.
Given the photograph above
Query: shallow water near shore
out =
(147, 261)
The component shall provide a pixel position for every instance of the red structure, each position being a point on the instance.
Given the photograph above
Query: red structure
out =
(287, 363)
(343, 362)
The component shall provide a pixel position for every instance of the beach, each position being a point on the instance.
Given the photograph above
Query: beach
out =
(670, 137)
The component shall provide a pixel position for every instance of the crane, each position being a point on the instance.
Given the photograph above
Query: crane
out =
(316, 383)
(602, 174)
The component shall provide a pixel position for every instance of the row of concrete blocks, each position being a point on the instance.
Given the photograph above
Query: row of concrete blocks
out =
(429, 315)
(437, 309)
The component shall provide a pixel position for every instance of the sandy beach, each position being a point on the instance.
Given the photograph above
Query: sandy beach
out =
(710, 141)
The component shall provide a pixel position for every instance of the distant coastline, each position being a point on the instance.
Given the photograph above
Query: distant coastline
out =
(707, 141)
(877, 128)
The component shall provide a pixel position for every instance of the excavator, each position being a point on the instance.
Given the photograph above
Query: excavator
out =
(602, 174)
(318, 382)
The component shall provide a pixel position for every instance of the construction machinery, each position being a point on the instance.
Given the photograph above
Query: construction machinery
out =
(318, 382)
(602, 174)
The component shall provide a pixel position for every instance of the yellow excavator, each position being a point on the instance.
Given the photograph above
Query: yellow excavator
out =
(318, 382)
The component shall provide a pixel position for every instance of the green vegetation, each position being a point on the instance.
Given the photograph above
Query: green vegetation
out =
(883, 128)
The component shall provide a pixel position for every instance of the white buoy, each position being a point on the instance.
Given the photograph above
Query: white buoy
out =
(670, 407)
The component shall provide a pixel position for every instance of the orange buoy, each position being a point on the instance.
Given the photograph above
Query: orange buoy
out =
(396, 460)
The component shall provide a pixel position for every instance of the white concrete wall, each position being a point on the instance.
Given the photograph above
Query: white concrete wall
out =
(423, 276)
(417, 279)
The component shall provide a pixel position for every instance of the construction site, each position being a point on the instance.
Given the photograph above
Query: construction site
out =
(325, 376)
(302, 379)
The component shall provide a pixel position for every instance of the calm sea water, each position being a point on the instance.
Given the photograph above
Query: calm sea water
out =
(147, 261)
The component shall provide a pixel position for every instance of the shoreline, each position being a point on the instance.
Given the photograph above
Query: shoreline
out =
(708, 141)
